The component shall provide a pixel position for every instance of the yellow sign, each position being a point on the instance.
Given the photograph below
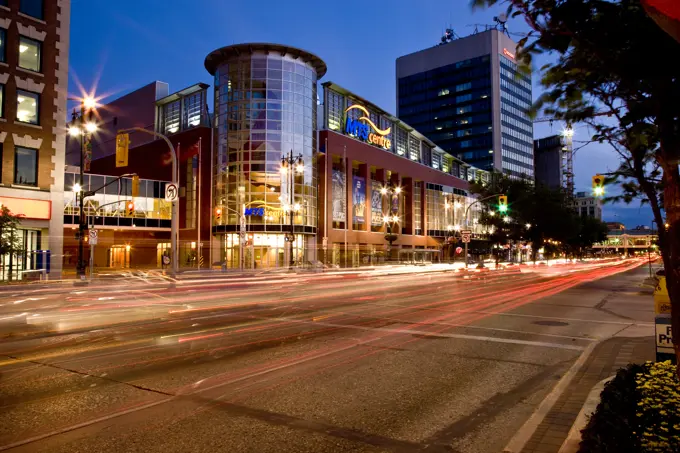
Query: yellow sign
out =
(122, 148)
(367, 130)
(662, 303)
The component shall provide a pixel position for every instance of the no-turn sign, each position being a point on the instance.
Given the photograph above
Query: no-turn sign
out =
(171, 192)
(94, 236)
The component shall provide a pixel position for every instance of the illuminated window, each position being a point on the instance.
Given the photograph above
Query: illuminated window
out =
(171, 114)
(192, 109)
(28, 107)
(3, 39)
(29, 54)
(2, 101)
(25, 166)
(443, 92)
(32, 8)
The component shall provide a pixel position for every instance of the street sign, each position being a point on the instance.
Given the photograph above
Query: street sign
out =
(664, 337)
(171, 192)
(94, 236)
(466, 236)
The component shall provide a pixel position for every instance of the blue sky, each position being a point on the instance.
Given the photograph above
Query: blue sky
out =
(122, 45)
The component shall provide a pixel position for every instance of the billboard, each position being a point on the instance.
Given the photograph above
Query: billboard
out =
(339, 198)
(359, 199)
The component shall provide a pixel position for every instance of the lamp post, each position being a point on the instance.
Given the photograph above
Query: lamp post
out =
(82, 125)
(391, 216)
(290, 165)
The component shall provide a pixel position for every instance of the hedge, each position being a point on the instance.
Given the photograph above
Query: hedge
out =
(639, 412)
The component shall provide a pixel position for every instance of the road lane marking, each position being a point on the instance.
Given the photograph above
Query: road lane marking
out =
(447, 335)
(172, 398)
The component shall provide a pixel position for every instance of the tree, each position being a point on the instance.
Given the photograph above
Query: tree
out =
(613, 72)
(10, 242)
(536, 213)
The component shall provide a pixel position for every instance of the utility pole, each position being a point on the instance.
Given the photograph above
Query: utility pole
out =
(175, 202)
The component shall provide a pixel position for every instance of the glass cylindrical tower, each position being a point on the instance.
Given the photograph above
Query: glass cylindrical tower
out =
(265, 109)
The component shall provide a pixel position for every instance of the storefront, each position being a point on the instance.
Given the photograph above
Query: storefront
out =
(389, 194)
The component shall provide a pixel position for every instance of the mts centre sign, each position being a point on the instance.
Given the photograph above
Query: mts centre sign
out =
(364, 129)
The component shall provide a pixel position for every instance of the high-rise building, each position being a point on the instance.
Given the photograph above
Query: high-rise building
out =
(468, 97)
(589, 206)
(34, 45)
(548, 161)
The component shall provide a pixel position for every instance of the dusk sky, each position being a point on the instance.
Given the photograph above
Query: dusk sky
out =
(123, 45)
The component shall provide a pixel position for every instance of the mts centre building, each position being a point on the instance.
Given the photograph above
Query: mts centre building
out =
(304, 173)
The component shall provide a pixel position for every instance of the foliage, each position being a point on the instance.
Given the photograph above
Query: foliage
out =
(639, 411)
(10, 242)
(612, 73)
(610, 429)
(536, 214)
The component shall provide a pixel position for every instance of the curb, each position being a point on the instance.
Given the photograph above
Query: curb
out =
(572, 442)
(527, 430)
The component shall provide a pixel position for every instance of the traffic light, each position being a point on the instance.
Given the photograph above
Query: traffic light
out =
(503, 203)
(598, 185)
(122, 148)
(130, 208)
(135, 186)
(218, 214)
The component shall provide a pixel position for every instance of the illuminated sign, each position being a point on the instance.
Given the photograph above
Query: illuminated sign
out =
(255, 212)
(364, 129)
(507, 53)
(28, 209)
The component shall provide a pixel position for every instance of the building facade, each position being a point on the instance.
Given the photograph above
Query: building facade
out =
(548, 155)
(34, 45)
(183, 117)
(364, 151)
(586, 205)
(265, 109)
(468, 97)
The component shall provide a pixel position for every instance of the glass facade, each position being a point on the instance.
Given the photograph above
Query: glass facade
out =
(517, 143)
(107, 206)
(265, 110)
(451, 105)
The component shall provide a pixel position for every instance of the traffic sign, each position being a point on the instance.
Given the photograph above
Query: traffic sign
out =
(466, 235)
(94, 236)
(166, 259)
(171, 192)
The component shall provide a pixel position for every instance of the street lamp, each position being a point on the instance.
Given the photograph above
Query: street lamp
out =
(290, 162)
(391, 193)
(83, 125)
(528, 225)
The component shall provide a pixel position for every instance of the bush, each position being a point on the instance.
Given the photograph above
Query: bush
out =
(639, 412)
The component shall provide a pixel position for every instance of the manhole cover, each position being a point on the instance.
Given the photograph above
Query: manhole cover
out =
(551, 323)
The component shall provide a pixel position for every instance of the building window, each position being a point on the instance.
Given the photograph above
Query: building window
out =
(28, 107)
(29, 54)
(171, 116)
(25, 166)
(3, 40)
(192, 176)
(32, 8)
(2, 100)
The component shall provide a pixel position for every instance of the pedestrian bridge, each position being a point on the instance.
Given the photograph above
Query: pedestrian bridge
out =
(628, 239)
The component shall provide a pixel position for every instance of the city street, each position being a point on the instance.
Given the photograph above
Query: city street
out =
(342, 362)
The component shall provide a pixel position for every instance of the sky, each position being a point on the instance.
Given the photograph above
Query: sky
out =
(117, 47)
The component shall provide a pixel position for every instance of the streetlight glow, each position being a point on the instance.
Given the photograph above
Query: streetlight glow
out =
(91, 127)
(457, 205)
(383, 190)
(296, 207)
(395, 218)
(456, 227)
(299, 168)
(386, 219)
(397, 190)
(492, 213)
(76, 188)
(598, 191)
(568, 132)
(73, 131)
(89, 102)
(449, 227)
(506, 219)
(528, 225)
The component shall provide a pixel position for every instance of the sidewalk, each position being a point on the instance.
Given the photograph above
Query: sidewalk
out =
(605, 360)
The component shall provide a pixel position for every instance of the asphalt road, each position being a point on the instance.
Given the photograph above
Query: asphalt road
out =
(340, 362)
